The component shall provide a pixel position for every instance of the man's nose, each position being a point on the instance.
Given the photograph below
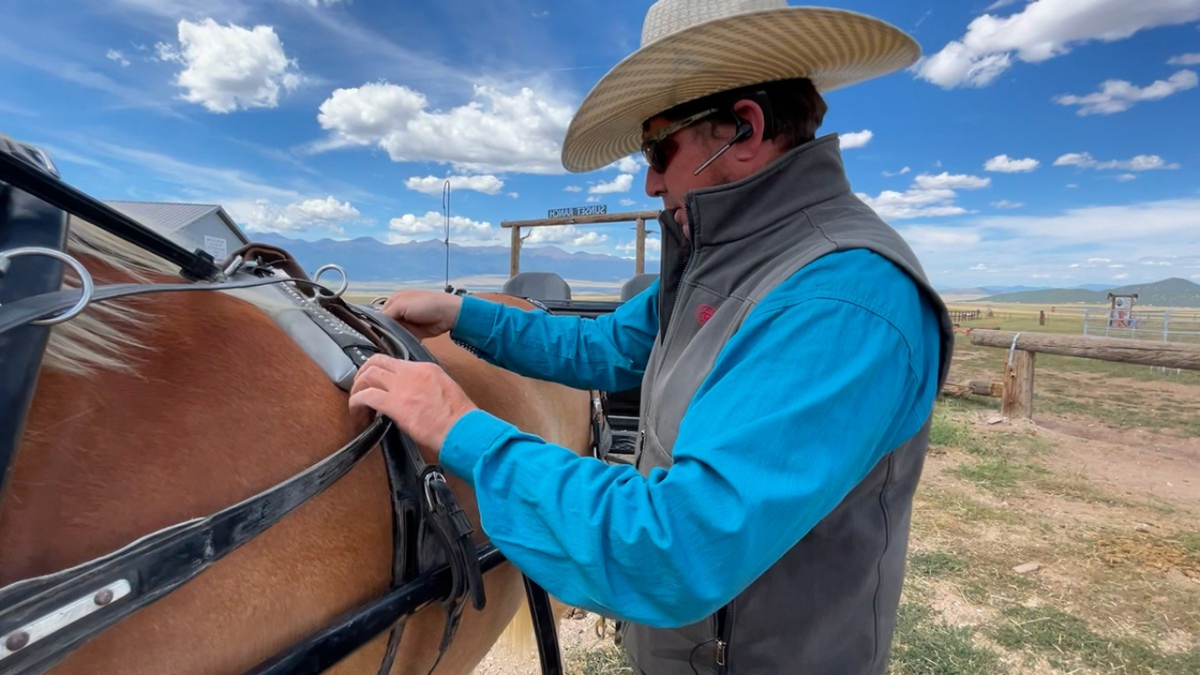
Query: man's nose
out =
(655, 185)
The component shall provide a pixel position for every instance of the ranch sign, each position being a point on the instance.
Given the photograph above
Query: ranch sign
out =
(573, 211)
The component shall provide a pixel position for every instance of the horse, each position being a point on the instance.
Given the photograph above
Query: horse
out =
(155, 409)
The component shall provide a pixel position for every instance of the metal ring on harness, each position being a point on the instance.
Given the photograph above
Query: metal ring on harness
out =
(336, 268)
(85, 279)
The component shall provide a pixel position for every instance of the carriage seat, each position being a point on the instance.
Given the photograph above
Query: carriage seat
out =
(637, 284)
(539, 286)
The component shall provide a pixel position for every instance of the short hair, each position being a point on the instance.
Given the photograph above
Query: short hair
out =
(796, 108)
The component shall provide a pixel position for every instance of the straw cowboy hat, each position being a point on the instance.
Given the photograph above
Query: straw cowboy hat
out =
(693, 48)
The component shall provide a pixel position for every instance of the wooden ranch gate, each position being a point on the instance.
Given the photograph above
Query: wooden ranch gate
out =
(640, 217)
(1022, 348)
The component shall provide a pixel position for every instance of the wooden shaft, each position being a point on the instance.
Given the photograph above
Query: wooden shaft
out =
(514, 260)
(1018, 386)
(640, 263)
(1144, 352)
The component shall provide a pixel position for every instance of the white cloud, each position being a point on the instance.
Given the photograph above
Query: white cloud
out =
(433, 185)
(590, 239)
(1118, 277)
(1184, 60)
(627, 165)
(1006, 164)
(913, 203)
(1126, 177)
(572, 188)
(262, 215)
(855, 139)
(626, 202)
(227, 68)
(1042, 30)
(495, 132)
(1021, 244)
(1116, 266)
(930, 237)
(893, 174)
(116, 55)
(1084, 160)
(653, 248)
(947, 181)
(566, 235)
(979, 267)
(621, 183)
(1005, 204)
(1120, 95)
(592, 200)
(432, 225)
(929, 196)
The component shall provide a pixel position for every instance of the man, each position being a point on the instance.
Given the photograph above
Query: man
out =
(789, 356)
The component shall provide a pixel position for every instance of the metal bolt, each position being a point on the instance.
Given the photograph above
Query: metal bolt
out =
(103, 597)
(16, 641)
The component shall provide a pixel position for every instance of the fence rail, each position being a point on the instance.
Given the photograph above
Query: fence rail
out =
(966, 315)
(1164, 325)
(1022, 347)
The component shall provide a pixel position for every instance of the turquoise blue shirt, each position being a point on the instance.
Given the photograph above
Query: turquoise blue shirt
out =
(836, 366)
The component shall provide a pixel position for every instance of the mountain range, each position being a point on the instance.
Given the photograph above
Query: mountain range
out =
(1173, 292)
(367, 259)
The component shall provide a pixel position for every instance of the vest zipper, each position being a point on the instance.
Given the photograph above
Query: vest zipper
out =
(695, 236)
(721, 631)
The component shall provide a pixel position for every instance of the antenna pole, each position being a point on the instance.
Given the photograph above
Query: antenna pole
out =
(446, 207)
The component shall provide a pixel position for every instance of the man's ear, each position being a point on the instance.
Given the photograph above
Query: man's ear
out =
(748, 133)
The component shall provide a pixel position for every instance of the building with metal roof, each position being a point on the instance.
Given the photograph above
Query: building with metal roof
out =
(192, 226)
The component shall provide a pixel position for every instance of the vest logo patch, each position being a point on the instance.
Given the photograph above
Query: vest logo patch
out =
(704, 313)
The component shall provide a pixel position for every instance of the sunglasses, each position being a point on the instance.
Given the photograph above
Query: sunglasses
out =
(657, 153)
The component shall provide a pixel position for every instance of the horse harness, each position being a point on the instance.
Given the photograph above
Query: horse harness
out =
(43, 619)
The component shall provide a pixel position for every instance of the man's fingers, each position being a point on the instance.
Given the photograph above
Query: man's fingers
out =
(372, 375)
(369, 397)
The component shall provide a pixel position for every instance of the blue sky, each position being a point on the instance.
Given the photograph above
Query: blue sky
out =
(1052, 142)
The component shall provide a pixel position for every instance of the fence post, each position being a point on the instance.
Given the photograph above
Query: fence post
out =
(1166, 324)
(1085, 320)
(1018, 386)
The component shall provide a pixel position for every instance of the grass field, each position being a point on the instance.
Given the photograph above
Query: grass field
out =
(1065, 545)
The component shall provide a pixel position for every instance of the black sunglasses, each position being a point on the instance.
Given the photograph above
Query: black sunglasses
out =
(653, 149)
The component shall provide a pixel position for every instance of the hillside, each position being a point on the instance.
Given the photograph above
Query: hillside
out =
(1173, 292)
(368, 259)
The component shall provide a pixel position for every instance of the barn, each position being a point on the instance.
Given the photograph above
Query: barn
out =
(192, 226)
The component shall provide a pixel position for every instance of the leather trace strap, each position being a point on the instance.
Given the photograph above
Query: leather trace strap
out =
(157, 564)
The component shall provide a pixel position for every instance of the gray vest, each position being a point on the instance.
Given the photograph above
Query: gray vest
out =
(829, 605)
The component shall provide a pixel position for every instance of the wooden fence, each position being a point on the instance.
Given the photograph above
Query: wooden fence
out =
(966, 315)
(1017, 400)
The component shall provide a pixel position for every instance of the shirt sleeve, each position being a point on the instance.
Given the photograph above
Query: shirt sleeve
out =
(608, 352)
(801, 404)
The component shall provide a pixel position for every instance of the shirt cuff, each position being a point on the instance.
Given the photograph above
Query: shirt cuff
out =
(476, 319)
(471, 437)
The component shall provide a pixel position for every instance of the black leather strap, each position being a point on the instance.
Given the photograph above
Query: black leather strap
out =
(161, 562)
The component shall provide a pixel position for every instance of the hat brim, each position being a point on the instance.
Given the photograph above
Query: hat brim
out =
(833, 48)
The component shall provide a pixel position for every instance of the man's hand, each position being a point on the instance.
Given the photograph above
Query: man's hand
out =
(425, 314)
(419, 397)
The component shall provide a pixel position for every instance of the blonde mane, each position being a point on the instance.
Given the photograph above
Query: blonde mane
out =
(102, 337)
